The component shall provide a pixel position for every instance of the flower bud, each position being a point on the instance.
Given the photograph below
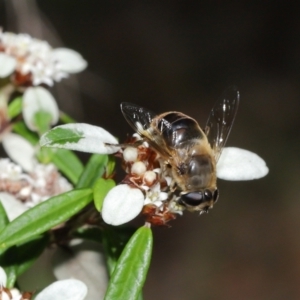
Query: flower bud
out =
(130, 154)
(138, 168)
(149, 177)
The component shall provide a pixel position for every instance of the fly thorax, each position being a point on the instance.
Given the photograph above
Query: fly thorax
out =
(199, 172)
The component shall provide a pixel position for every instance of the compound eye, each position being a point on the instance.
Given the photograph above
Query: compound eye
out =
(216, 195)
(193, 198)
(208, 195)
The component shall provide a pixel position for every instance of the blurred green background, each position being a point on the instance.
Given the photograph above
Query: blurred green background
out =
(181, 55)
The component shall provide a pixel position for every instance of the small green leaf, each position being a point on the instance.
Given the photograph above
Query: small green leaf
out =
(17, 259)
(11, 273)
(3, 217)
(94, 169)
(140, 296)
(44, 216)
(131, 270)
(23, 131)
(110, 167)
(65, 160)
(45, 155)
(114, 240)
(66, 119)
(101, 188)
(42, 121)
(61, 136)
(68, 163)
(15, 107)
(26, 254)
(89, 233)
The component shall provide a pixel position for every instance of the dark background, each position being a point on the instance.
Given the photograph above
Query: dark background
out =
(181, 55)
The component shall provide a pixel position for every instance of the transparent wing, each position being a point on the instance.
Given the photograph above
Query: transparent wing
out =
(221, 118)
(139, 118)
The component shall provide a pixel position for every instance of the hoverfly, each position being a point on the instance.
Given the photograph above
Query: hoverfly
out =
(189, 151)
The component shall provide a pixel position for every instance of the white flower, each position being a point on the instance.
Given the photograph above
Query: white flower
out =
(38, 99)
(240, 164)
(34, 61)
(20, 191)
(3, 277)
(31, 62)
(85, 259)
(68, 289)
(155, 196)
(122, 204)
(27, 183)
(8, 65)
(19, 150)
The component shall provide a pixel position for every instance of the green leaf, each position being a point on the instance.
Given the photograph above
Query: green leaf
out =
(65, 160)
(114, 240)
(61, 136)
(26, 254)
(3, 217)
(89, 233)
(94, 169)
(44, 216)
(110, 167)
(15, 107)
(16, 260)
(11, 273)
(42, 120)
(140, 296)
(22, 130)
(45, 155)
(101, 188)
(131, 270)
(68, 163)
(66, 119)
(81, 137)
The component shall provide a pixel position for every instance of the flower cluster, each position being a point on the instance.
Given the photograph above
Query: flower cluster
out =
(14, 294)
(148, 178)
(20, 191)
(30, 65)
(68, 289)
(32, 61)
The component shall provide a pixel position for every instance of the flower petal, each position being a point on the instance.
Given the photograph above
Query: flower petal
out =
(69, 289)
(12, 206)
(69, 60)
(80, 137)
(240, 164)
(122, 204)
(3, 277)
(38, 99)
(19, 150)
(85, 259)
(8, 65)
